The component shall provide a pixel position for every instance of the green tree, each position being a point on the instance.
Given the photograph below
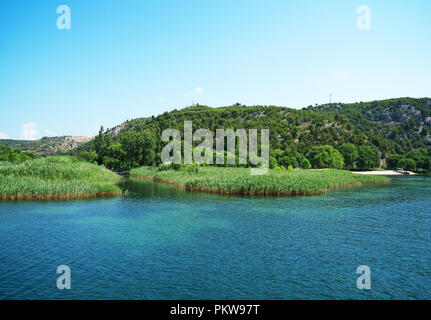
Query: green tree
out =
(99, 144)
(392, 161)
(350, 154)
(369, 157)
(139, 148)
(14, 154)
(325, 157)
(272, 163)
(407, 164)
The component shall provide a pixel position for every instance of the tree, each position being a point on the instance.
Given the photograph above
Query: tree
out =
(420, 157)
(148, 148)
(369, 157)
(350, 154)
(392, 161)
(325, 157)
(272, 163)
(139, 148)
(14, 154)
(289, 157)
(90, 156)
(99, 142)
(304, 163)
(115, 157)
(407, 164)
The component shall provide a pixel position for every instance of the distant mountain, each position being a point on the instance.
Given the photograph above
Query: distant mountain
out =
(48, 145)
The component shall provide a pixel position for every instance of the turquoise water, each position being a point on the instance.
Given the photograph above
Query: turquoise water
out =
(158, 242)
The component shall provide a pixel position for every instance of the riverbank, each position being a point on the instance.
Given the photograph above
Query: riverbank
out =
(225, 180)
(56, 178)
(385, 173)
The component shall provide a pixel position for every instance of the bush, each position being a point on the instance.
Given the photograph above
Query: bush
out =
(325, 157)
(407, 164)
(14, 154)
(369, 157)
(392, 162)
(350, 154)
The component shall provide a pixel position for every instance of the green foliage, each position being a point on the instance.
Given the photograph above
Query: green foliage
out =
(350, 154)
(139, 148)
(392, 162)
(368, 157)
(394, 126)
(14, 154)
(239, 180)
(89, 156)
(415, 160)
(325, 157)
(273, 162)
(421, 158)
(407, 164)
(127, 150)
(55, 177)
(192, 168)
(289, 157)
(99, 145)
(305, 163)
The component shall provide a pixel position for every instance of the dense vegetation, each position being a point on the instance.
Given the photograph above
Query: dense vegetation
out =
(14, 154)
(414, 160)
(351, 136)
(55, 177)
(239, 180)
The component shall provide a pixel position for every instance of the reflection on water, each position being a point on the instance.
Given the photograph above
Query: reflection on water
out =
(159, 242)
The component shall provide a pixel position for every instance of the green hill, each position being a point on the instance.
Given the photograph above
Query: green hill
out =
(394, 126)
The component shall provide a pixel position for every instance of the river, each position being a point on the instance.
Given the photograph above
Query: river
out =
(158, 242)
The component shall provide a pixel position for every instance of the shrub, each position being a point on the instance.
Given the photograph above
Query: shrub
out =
(325, 157)
(350, 154)
(369, 157)
(407, 164)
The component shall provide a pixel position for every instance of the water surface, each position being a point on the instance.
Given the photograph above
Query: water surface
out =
(158, 242)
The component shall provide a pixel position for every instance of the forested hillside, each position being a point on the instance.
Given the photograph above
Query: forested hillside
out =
(405, 122)
(369, 134)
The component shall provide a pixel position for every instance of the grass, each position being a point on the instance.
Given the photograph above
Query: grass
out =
(226, 180)
(55, 178)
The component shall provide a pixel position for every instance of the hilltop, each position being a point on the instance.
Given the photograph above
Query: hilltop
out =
(48, 145)
(393, 125)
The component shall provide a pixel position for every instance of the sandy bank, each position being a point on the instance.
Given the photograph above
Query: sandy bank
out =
(384, 172)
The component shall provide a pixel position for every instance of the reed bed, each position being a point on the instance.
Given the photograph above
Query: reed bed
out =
(240, 181)
(56, 177)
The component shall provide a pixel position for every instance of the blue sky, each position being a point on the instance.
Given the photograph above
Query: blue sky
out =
(126, 59)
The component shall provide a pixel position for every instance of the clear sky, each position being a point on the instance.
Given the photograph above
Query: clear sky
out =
(126, 59)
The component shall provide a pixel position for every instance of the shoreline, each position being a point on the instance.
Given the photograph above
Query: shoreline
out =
(59, 197)
(255, 193)
(385, 173)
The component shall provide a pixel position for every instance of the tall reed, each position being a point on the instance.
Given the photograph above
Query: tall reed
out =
(56, 177)
(240, 181)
